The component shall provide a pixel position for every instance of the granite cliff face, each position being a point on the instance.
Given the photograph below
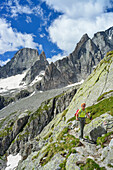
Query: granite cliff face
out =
(21, 61)
(36, 68)
(80, 63)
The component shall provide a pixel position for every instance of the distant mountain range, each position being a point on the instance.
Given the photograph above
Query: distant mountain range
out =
(71, 69)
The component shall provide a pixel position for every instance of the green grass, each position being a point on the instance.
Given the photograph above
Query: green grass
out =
(91, 165)
(64, 114)
(48, 135)
(102, 96)
(35, 156)
(103, 139)
(101, 108)
(71, 119)
(109, 165)
(69, 143)
(106, 105)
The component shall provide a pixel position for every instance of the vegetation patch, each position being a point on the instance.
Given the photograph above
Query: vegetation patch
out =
(48, 135)
(109, 165)
(71, 119)
(35, 156)
(106, 138)
(103, 95)
(65, 146)
(64, 114)
(101, 108)
(91, 165)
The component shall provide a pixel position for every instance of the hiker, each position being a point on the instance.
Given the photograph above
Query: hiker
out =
(81, 117)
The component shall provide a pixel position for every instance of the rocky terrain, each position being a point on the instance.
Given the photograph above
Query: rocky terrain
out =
(47, 138)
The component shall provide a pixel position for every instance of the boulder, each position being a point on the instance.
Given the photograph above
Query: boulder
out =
(71, 161)
(97, 132)
(97, 127)
(53, 163)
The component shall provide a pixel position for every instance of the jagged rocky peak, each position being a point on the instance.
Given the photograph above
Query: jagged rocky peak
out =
(25, 57)
(84, 38)
(42, 56)
(104, 40)
(37, 69)
(21, 61)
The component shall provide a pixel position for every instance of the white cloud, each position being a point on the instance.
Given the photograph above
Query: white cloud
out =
(23, 9)
(55, 58)
(42, 35)
(11, 40)
(4, 62)
(78, 18)
(28, 19)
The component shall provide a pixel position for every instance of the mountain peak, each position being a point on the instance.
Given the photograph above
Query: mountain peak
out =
(84, 38)
(21, 61)
(42, 56)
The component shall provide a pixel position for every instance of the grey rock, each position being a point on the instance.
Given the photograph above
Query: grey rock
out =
(3, 163)
(54, 163)
(10, 131)
(96, 128)
(39, 65)
(111, 144)
(71, 161)
(21, 61)
(97, 132)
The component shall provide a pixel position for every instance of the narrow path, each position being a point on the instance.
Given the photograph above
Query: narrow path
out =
(89, 150)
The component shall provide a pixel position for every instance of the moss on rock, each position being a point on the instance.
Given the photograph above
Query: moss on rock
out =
(91, 165)
(103, 139)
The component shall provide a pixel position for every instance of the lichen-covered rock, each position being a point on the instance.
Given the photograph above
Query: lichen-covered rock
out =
(10, 131)
(107, 154)
(53, 163)
(71, 161)
(3, 162)
(97, 127)
(97, 132)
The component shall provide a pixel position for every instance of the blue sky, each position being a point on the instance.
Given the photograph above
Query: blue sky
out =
(54, 26)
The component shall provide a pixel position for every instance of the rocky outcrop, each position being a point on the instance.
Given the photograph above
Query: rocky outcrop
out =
(98, 127)
(21, 61)
(54, 163)
(10, 131)
(39, 65)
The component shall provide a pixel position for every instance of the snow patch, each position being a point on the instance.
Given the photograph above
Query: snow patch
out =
(38, 78)
(12, 161)
(71, 85)
(12, 82)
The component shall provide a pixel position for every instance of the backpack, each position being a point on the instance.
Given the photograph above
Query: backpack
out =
(77, 113)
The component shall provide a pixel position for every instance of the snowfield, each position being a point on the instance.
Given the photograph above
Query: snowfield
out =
(12, 161)
(71, 85)
(12, 82)
(38, 78)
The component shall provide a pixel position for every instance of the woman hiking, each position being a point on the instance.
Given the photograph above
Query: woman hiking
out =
(81, 117)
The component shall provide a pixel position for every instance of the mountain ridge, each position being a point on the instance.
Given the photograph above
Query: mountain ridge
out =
(73, 68)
